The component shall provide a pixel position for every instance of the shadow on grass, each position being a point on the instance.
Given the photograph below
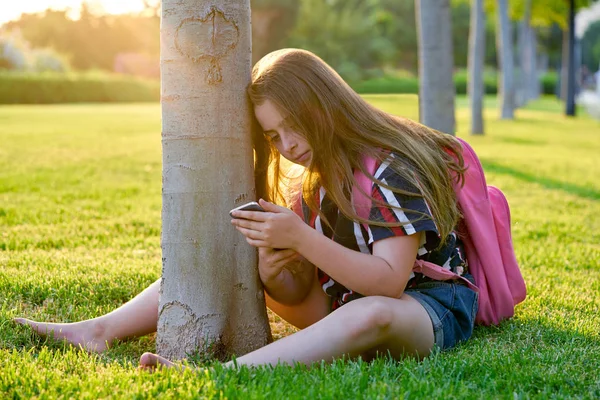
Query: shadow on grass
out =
(548, 183)
(522, 141)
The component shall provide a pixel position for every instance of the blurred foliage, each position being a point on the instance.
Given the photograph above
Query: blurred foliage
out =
(590, 46)
(47, 88)
(272, 21)
(13, 52)
(361, 39)
(347, 34)
(16, 54)
(549, 82)
(44, 60)
(93, 41)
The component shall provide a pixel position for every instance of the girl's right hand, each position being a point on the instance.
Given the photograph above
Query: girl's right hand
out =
(271, 262)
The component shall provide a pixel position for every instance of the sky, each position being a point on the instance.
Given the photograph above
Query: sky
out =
(12, 9)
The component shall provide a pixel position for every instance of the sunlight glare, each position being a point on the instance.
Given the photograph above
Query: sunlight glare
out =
(12, 10)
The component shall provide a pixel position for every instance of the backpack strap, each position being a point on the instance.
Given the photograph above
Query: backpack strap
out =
(362, 205)
(439, 273)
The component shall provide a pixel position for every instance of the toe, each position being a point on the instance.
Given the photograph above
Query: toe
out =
(148, 360)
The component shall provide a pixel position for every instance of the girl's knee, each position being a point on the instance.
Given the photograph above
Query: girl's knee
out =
(370, 316)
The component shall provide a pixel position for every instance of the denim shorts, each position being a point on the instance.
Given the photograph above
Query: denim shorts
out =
(452, 307)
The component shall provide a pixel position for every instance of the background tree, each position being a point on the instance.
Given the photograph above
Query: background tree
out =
(562, 12)
(211, 297)
(436, 62)
(476, 65)
(528, 87)
(571, 72)
(505, 61)
(271, 22)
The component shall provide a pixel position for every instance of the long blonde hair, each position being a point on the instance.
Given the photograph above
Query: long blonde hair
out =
(341, 128)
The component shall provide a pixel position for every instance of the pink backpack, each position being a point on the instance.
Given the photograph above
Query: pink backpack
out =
(485, 233)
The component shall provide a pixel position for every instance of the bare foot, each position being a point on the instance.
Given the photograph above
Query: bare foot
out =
(88, 335)
(151, 362)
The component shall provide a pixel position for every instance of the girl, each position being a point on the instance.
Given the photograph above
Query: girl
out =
(346, 281)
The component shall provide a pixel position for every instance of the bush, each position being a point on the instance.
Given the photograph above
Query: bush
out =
(48, 88)
(549, 80)
(490, 82)
(391, 84)
(387, 85)
(44, 60)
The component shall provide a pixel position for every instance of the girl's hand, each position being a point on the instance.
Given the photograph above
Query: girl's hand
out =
(277, 227)
(271, 262)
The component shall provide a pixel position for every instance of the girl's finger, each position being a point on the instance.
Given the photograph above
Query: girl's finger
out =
(246, 223)
(284, 254)
(256, 242)
(259, 216)
(249, 233)
(274, 208)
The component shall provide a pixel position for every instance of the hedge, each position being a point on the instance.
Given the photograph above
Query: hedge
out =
(390, 85)
(23, 88)
(47, 88)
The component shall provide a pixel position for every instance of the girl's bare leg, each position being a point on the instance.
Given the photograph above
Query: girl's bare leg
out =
(360, 328)
(314, 308)
(137, 317)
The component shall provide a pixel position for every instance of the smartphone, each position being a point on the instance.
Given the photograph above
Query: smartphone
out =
(252, 206)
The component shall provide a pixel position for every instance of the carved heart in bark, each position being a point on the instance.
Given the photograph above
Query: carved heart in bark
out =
(212, 36)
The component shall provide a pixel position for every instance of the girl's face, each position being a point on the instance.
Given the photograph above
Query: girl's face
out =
(281, 134)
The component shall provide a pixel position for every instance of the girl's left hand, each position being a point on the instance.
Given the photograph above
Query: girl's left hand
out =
(277, 227)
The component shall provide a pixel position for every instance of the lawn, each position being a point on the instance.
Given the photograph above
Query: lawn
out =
(80, 200)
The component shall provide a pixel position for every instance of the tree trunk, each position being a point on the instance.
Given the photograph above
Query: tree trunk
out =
(570, 103)
(476, 65)
(262, 22)
(505, 59)
(564, 68)
(533, 80)
(211, 299)
(522, 89)
(436, 61)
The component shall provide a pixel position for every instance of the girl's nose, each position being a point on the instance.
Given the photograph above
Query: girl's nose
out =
(290, 144)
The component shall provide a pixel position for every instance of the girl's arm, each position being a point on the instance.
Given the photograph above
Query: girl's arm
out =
(291, 284)
(385, 273)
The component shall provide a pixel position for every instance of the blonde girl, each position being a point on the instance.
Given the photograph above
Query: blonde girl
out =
(345, 281)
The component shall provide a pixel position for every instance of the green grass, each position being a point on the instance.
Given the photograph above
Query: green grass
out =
(80, 198)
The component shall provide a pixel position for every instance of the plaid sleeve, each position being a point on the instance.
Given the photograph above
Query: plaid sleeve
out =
(415, 215)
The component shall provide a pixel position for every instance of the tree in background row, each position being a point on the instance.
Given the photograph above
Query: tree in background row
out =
(476, 66)
(505, 61)
(436, 64)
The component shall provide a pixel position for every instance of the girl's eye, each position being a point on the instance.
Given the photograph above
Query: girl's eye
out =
(273, 138)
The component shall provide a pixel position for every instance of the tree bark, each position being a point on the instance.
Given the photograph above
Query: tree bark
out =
(522, 89)
(506, 61)
(533, 81)
(436, 62)
(476, 64)
(570, 101)
(564, 68)
(211, 299)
